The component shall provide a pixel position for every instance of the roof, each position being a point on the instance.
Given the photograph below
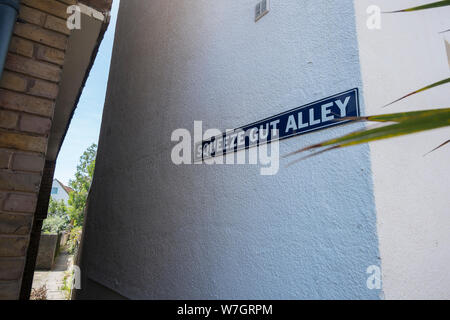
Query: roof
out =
(100, 5)
(80, 56)
(66, 188)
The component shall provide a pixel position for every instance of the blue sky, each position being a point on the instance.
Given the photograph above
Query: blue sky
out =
(85, 126)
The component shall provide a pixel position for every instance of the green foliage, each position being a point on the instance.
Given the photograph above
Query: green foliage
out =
(57, 219)
(403, 123)
(81, 185)
(433, 5)
(436, 84)
(70, 218)
(74, 239)
(67, 284)
(39, 293)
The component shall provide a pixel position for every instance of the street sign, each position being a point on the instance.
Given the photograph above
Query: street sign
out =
(315, 116)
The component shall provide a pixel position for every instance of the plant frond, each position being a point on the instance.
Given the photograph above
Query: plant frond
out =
(436, 84)
(438, 147)
(424, 7)
(411, 122)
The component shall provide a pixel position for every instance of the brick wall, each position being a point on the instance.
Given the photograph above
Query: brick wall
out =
(28, 90)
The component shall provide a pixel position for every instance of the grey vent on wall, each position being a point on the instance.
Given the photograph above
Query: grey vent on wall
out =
(261, 9)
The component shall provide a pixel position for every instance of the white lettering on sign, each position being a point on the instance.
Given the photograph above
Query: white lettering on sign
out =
(326, 115)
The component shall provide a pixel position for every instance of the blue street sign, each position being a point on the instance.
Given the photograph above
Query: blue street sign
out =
(315, 116)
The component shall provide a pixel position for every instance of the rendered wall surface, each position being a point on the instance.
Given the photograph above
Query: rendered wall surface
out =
(157, 230)
(411, 191)
(47, 249)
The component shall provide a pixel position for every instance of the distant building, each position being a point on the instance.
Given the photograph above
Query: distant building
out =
(60, 191)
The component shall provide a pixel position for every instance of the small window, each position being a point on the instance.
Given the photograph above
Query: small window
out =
(54, 190)
(447, 46)
(261, 9)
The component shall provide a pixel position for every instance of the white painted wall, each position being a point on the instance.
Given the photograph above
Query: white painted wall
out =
(61, 193)
(156, 230)
(411, 191)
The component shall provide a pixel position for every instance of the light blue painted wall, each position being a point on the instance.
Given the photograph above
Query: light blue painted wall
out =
(155, 230)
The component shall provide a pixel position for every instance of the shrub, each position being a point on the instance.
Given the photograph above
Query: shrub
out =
(39, 293)
(57, 219)
(74, 239)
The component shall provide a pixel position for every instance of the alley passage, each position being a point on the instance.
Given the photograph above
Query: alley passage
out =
(54, 280)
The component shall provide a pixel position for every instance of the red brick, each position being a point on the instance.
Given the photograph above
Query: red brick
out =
(14, 181)
(3, 197)
(17, 82)
(12, 246)
(11, 268)
(42, 88)
(5, 157)
(32, 15)
(27, 162)
(35, 124)
(57, 24)
(15, 224)
(20, 203)
(41, 70)
(21, 102)
(12, 140)
(13, 81)
(48, 54)
(38, 34)
(50, 6)
(9, 290)
(21, 46)
(8, 119)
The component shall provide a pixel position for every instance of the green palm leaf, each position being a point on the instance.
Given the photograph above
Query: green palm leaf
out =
(395, 117)
(436, 84)
(438, 147)
(424, 7)
(406, 123)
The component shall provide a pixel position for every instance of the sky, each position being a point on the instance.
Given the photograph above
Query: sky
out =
(84, 128)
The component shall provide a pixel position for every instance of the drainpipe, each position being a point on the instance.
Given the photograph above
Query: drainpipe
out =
(9, 9)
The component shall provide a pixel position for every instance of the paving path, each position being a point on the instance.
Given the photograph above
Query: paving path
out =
(54, 279)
